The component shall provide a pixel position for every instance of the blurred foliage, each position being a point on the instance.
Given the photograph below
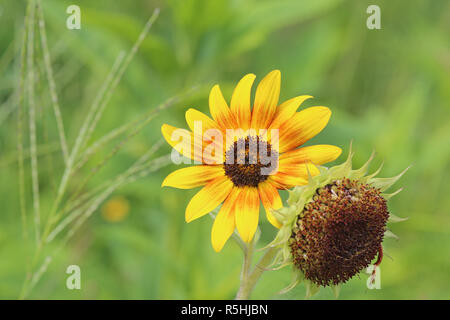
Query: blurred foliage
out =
(389, 90)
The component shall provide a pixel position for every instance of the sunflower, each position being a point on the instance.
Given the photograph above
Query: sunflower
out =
(333, 228)
(241, 185)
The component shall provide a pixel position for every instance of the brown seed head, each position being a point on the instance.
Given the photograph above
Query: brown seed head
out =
(339, 232)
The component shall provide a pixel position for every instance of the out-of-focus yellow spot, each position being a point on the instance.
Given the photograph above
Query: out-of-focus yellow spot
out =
(116, 209)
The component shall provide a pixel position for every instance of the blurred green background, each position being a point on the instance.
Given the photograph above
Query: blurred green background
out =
(389, 91)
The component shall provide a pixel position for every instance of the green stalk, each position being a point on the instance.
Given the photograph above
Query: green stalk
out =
(249, 280)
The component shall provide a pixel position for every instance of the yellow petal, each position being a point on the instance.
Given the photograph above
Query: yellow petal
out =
(286, 111)
(240, 101)
(188, 145)
(192, 177)
(247, 212)
(277, 182)
(266, 100)
(181, 140)
(285, 181)
(299, 170)
(219, 109)
(303, 126)
(318, 154)
(289, 176)
(224, 223)
(208, 198)
(270, 199)
(193, 115)
(204, 126)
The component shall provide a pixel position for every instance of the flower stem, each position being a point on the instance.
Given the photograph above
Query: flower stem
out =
(249, 280)
(248, 253)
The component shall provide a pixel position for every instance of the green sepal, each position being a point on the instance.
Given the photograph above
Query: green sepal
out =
(390, 234)
(387, 196)
(336, 290)
(311, 289)
(393, 218)
(385, 183)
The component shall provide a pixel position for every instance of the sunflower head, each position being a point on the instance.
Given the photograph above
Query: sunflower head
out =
(340, 231)
(245, 153)
(333, 227)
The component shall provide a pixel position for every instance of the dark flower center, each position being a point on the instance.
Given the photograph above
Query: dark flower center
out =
(250, 161)
(340, 232)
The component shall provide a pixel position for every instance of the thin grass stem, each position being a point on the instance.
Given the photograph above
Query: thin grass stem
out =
(51, 82)
(20, 128)
(32, 122)
(121, 71)
(86, 126)
(91, 195)
(32, 278)
(140, 123)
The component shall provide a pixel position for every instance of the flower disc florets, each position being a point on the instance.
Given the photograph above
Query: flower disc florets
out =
(243, 161)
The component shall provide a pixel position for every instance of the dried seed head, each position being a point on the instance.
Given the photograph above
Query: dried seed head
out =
(333, 227)
(339, 232)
